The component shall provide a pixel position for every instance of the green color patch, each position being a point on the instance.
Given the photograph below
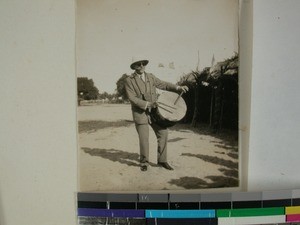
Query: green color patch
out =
(251, 212)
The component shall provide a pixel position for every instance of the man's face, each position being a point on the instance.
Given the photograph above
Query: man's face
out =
(140, 68)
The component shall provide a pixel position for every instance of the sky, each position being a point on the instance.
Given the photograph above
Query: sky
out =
(176, 36)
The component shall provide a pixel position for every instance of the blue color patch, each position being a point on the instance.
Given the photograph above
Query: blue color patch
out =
(180, 214)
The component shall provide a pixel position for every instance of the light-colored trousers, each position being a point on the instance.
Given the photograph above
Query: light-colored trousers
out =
(162, 140)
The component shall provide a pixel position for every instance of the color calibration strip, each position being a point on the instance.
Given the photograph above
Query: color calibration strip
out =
(161, 209)
(292, 214)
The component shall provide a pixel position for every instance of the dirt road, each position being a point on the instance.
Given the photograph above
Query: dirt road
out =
(108, 155)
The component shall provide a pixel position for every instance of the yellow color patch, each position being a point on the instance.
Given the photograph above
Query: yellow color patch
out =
(292, 210)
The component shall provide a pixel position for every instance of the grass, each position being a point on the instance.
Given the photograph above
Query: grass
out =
(94, 125)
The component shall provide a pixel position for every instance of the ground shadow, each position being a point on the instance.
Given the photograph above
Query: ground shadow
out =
(232, 150)
(127, 158)
(229, 172)
(189, 182)
(233, 155)
(228, 138)
(114, 155)
(221, 182)
(224, 146)
(176, 139)
(196, 183)
(94, 125)
(230, 178)
(213, 159)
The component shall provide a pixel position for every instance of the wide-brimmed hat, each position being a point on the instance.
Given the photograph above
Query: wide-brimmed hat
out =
(137, 62)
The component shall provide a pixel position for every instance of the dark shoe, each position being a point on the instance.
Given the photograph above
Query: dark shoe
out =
(143, 168)
(165, 165)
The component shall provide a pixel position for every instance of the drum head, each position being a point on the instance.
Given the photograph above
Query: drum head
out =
(171, 106)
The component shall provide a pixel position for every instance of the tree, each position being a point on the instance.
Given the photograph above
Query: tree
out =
(103, 95)
(86, 89)
(214, 96)
(121, 87)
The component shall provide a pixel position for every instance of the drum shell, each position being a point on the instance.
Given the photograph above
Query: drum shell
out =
(157, 118)
(170, 109)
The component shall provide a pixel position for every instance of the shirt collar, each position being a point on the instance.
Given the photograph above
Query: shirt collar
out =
(143, 74)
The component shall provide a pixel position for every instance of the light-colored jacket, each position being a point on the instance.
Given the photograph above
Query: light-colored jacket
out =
(140, 92)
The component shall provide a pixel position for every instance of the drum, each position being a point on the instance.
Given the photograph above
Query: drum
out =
(170, 109)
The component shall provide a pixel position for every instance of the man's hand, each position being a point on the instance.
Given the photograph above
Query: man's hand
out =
(183, 89)
(151, 105)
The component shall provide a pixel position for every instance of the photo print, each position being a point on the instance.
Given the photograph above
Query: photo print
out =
(157, 85)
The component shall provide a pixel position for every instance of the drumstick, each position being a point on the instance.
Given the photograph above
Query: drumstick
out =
(178, 98)
(166, 105)
(165, 109)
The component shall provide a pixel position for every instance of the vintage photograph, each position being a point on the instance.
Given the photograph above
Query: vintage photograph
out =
(158, 93)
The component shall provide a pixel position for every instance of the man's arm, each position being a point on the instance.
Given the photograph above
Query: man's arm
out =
(133, 96)
(163, 85)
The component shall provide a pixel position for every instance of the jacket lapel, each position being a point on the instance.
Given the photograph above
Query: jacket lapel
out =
(139, 83)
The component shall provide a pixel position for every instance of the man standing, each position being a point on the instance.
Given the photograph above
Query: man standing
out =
(141, 91)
